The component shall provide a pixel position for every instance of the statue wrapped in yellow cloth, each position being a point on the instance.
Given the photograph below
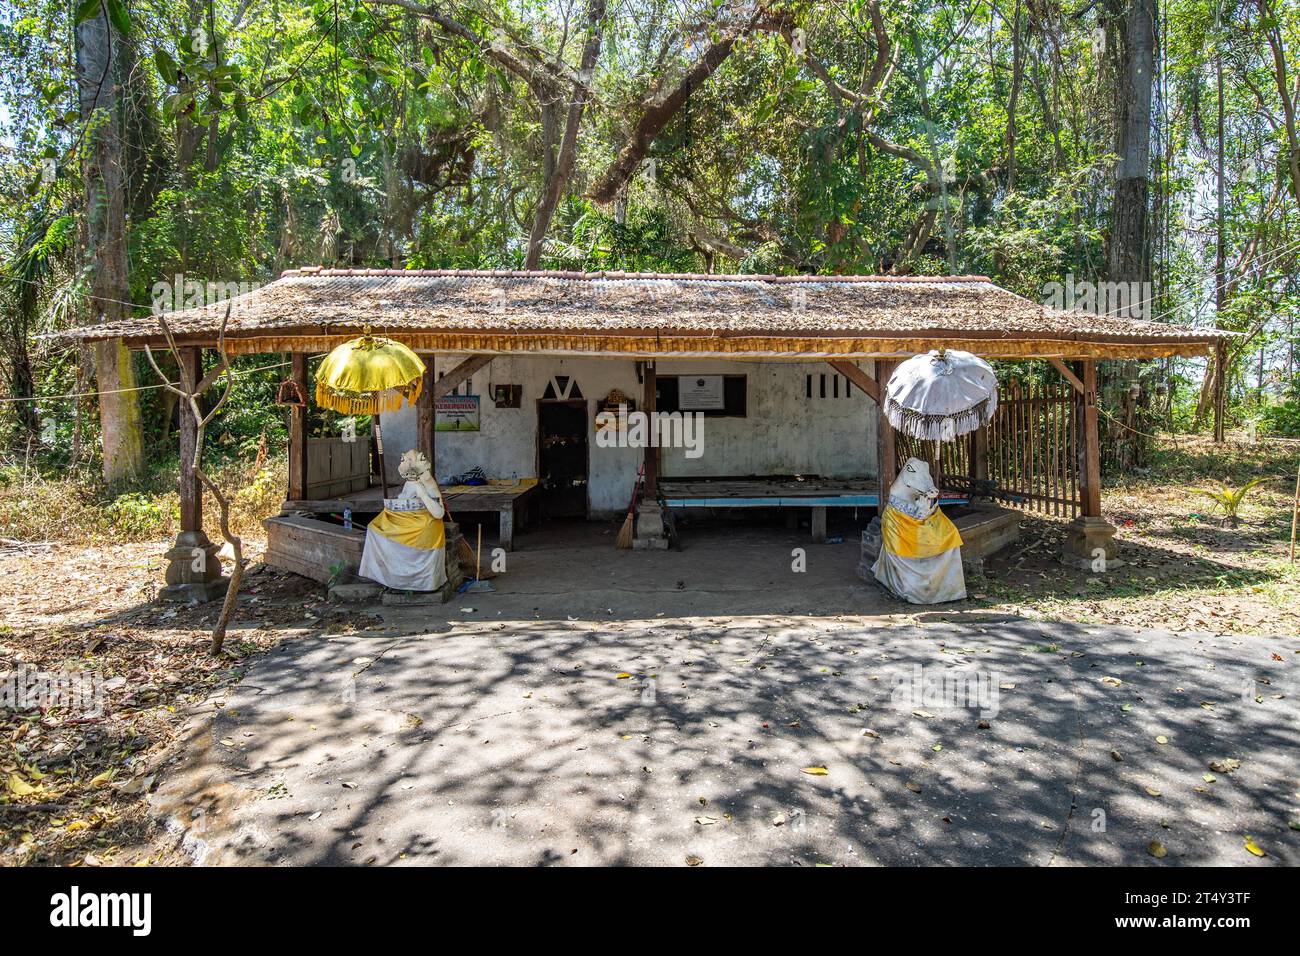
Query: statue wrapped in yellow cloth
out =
(405, 543)
(920, 549)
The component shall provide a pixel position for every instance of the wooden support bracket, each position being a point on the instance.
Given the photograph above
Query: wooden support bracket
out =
(858, 377)
(459, 374)
(1068, 375)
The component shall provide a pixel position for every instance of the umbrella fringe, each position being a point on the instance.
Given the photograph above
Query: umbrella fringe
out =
(367, 403)
(939, 427)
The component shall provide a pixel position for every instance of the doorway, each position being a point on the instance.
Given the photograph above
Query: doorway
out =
(562, 458)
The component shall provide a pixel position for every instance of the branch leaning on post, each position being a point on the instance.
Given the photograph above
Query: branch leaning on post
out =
(190, 391)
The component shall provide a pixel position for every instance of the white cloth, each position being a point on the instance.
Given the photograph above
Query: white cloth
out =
(938, 399)
(922, 580)
(400, 566)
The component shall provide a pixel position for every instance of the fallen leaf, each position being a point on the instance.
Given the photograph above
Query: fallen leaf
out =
(1254, 847)
(816, 771)
(913, 786)
(1225, 766)
(1157, 849)
(706, 821)
(623, 676)
(20, 787)
(693, 861)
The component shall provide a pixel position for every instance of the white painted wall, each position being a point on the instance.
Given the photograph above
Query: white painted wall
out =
(783, 433)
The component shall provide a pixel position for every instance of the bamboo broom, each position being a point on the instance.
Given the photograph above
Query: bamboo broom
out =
(624, 540)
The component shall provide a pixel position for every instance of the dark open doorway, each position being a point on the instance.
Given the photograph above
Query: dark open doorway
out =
(562, 458)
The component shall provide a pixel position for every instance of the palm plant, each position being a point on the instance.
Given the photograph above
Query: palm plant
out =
(1230, 499)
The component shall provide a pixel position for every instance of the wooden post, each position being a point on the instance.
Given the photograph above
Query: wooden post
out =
(298, 433)
(190, 490)
(425, 414)
(1220, 389)
(886, 454)
(1090, 447)
(193, 572)
(1090, 538)
(979, 454)
(649, 405)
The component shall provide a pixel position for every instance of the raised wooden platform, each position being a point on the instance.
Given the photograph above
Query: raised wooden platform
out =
(311, 547)
(504, 499)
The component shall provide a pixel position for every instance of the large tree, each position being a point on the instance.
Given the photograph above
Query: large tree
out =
(103, 61)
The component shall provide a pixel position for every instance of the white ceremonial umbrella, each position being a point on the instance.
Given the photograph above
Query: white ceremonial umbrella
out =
(941, 395)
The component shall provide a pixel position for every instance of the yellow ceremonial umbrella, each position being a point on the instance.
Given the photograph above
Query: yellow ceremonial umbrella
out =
(367, 376)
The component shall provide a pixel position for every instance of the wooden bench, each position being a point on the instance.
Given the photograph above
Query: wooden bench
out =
(816, 494)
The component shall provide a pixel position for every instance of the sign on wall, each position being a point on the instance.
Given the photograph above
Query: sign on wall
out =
(700, 393)
(456, 413)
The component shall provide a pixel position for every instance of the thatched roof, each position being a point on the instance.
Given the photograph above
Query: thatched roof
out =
(644, 314)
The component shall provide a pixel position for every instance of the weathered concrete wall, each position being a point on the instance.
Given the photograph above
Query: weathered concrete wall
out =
(784, 431)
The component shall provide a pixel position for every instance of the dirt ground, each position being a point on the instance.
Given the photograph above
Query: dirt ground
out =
(73, 786)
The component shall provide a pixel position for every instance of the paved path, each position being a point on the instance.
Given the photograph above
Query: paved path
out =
(506, 735)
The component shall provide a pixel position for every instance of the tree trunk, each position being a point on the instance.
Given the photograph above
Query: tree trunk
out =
(100, 85)
(1128, 258)
(559, 168)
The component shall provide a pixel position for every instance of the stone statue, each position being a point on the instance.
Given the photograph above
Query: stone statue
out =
(920, 549)
(405, 543)
(420, 483)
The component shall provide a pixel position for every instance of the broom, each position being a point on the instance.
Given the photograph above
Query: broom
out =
(624, 540)
(478, 584)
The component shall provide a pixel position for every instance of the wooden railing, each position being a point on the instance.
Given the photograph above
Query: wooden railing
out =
(1030, 451)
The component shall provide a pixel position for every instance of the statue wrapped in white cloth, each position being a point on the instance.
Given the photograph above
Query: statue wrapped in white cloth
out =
(405, 544)
(920, 548)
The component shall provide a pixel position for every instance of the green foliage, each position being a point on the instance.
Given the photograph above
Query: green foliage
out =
(260, 137)
(1230, 499)
(134, 514)
(1282, 419)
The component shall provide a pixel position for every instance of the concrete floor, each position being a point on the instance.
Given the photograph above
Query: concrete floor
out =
(605, 707)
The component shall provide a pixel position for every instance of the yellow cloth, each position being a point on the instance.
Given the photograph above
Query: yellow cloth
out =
(415, 529)
(909, 537)
(494, 484)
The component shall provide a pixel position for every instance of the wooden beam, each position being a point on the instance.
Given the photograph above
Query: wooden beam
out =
(979, 454)
(886, 454)
(298, 433)
(1220, 390)
(459, 374)
(858, 377)
(425, 418)
(1067, 374)
(191, 491)
(649, 405)
(1090, 446)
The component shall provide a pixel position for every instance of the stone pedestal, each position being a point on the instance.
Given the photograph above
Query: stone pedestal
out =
(193, 570)
(870, 550)
(1090, 545)
(649, 528)
(456, 574)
